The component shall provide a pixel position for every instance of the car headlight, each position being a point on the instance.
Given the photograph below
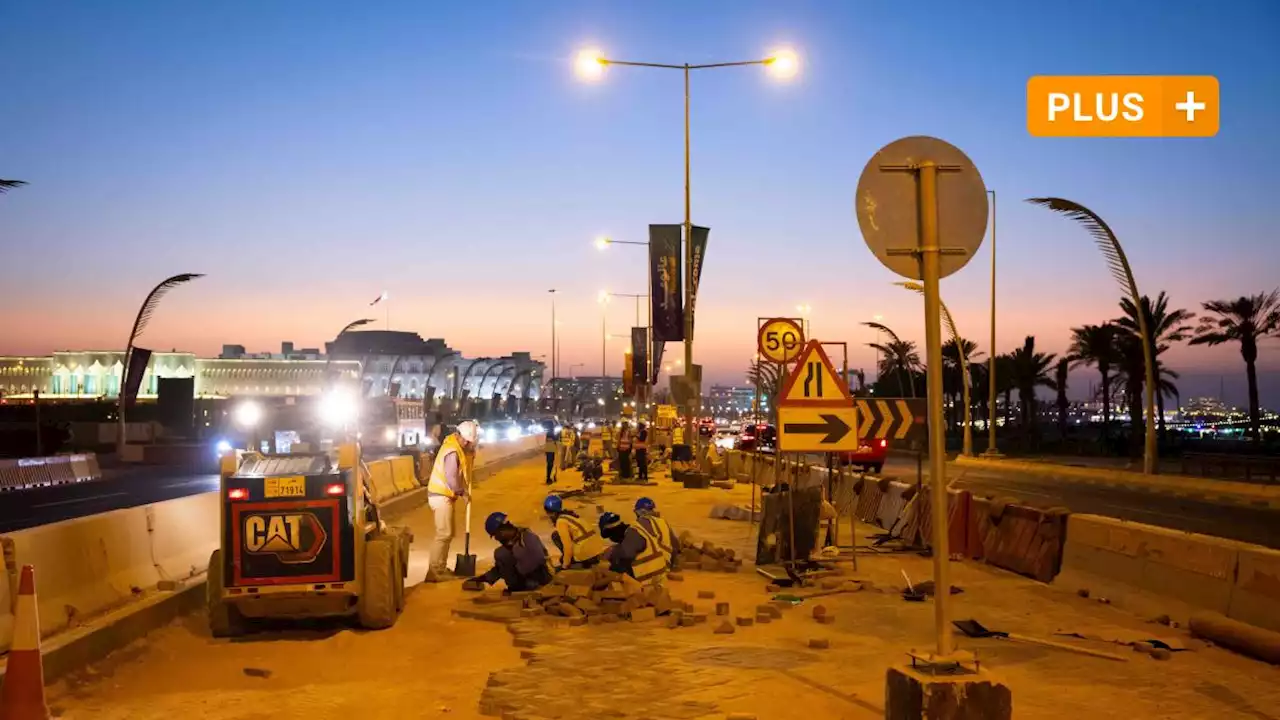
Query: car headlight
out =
(557, 429)
(222, 448)
(513, 434)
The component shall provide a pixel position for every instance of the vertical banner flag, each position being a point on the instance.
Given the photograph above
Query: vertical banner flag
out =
(666, 290)
(395, 389)
(639, 355)
(628, 380)
(657, 360)
(428, 400)
(698, 240)
(138, 359)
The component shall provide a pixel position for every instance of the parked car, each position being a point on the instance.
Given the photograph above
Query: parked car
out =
(870, 455)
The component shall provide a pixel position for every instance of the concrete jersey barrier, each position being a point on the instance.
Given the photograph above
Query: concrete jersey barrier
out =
(91, 565)
(1154, 570)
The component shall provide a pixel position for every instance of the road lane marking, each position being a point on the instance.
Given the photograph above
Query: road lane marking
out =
(190, 481)
(78, 500)
(1150, 512)
(1008, 490)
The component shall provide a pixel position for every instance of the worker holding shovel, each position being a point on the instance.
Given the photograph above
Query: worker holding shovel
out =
(450, 480)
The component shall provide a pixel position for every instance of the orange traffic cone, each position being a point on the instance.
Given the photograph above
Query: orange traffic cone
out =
(22, 696)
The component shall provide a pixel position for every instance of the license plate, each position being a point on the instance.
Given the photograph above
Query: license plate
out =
(275, 487)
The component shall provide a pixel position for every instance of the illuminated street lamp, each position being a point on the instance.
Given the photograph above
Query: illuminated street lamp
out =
(805, 309)
(590, 65)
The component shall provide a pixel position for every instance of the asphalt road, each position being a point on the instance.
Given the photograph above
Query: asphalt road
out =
(1260, 526)
(119, 489)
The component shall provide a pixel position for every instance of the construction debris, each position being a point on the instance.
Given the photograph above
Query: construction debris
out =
(696, 555)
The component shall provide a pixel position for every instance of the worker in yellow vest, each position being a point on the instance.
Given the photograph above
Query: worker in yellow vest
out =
(625, 440)
(677, 435)
(450, 479)
(635, 552)
(551, 448)
(568, 446)
(647, 516)
(606, 437)
(580, 544)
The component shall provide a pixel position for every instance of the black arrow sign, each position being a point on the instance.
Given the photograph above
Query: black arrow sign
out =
(834, 428)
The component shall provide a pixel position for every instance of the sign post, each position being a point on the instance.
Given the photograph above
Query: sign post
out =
(902, 192)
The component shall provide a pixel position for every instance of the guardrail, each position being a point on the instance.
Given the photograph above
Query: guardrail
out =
(26, 473)
(1229, 465)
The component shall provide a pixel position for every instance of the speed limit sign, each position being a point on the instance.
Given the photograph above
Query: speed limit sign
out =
(780, 340)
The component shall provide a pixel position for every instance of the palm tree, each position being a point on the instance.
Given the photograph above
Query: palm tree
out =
(897, 357)
(1166, 326)
(1118, 264)
(1030, 371)
(1060, 384)
(1004, 384)
(768, 378)
(958, 354)
(1096, 345)
(1244, 320)
(7, 185)
(139, 324)
(1133, 373)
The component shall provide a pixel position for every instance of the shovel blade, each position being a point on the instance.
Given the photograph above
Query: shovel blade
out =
(464, 565)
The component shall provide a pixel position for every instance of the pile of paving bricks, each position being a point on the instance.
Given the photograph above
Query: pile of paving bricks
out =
(706, 556)
(596, 596)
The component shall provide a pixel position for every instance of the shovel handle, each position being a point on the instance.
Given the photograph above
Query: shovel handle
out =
(1064, 646)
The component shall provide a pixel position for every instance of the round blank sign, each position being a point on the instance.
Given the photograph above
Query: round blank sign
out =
(886, 205)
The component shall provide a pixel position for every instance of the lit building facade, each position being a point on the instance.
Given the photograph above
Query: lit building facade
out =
(381, 361)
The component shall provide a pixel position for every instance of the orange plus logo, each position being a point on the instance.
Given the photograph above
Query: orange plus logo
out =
(1122, 106)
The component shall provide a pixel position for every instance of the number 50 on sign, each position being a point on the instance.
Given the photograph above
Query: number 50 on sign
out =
(780, 340)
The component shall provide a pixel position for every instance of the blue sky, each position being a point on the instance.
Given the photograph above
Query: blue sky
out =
(309, 155)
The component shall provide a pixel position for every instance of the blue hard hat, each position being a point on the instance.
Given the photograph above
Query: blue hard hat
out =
(553, 504)
(608, 520)
(494, 521)
(645, 504)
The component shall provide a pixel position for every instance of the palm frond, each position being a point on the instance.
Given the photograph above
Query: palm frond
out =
(7, 185)
(153, 299)
(355, 324)
(951, 327)
(1105, 239)
(884, 329)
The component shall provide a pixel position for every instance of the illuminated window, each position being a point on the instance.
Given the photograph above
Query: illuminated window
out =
(57, 384)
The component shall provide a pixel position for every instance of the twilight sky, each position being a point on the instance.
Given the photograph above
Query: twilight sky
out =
(308, 155)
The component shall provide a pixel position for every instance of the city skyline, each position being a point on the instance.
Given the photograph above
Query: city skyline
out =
(307, 163)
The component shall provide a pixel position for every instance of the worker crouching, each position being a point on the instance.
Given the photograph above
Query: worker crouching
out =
(635, 551)
(520, 561)
(580, 545)
(657, 527)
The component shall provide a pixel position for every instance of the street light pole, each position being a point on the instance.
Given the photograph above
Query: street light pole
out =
(992, 449)
(591, 64)
(553, 335)
(604, 243)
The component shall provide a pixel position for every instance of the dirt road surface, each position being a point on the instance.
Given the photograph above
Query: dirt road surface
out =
(434, 664)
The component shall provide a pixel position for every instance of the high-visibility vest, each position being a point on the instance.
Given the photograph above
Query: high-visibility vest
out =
(606, 434)
(642, 440)
(624, 440)
(586, 542)
(661, 531)
(438, 484)
(566, 437)
(650, 566)
(677, 436)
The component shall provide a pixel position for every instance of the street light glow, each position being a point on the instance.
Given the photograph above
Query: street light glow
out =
(783, 64)
(603, 297)
(248, 414)
(602, 243)
(589, 64)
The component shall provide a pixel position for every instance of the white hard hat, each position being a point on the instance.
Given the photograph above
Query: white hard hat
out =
(469, 430)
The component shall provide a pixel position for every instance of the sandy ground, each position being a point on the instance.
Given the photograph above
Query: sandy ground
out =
(434, 664)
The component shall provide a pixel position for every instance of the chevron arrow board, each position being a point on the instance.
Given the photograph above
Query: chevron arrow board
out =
(892, 418)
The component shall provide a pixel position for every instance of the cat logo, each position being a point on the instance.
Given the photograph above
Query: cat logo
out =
(293, 538)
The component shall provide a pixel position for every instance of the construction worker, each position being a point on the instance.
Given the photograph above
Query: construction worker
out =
(551, 448)
(520, 561)
(568, 446)
(642, 451)
(624, 450)
(580, 545)
(606, 437)
(635, 551)
(657, 526)
(450, 479)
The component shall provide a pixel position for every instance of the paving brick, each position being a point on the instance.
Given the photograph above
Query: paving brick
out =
(819, 643)
(524, 643)
(643, 614)
(745, 621)
(699, 617)
(724, 628)
(763, 618)
(551, 591)
(690, 621)
(577, 621)
(675, 577)
(827, 619)
(819, 611)
(722, 608)
(576, 577)
(706, 594)
(531, 611)
(673, 621)
(586, 606)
